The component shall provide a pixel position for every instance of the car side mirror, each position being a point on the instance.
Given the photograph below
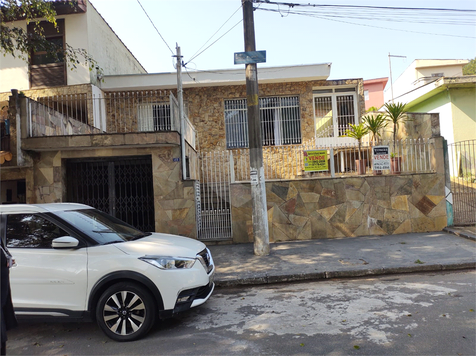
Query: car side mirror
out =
(65, 242)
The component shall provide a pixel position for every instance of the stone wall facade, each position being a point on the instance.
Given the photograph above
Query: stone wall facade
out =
(174, 200)
(206, 109)
(344, 207)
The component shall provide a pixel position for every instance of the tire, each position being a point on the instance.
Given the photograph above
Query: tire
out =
(126, 311)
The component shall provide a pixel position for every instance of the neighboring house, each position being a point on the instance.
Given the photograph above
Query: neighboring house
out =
(438, 86)
(373, 92)
(421, 72)
(80, 26)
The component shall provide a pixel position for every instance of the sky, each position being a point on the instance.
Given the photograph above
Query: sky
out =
(356, 47)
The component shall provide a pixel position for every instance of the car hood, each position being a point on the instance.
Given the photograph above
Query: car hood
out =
(162, 245)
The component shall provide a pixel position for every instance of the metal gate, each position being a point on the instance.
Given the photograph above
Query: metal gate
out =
(214, 217)
(120, 186)
(462, 167)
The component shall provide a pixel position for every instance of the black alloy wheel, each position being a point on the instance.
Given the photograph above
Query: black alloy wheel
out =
(125, 312)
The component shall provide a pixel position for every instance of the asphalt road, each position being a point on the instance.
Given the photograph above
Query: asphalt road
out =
(412, 314)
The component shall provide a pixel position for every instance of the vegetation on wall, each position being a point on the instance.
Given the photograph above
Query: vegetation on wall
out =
(18, 42)
(470, 68)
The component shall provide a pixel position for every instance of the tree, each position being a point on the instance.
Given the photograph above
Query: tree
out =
(17, 42)
(470, 68)
(374, 124)
(357, 132)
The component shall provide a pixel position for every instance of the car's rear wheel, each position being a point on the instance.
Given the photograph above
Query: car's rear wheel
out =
(125, 311)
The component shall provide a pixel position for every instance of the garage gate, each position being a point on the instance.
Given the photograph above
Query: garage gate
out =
(120, 186)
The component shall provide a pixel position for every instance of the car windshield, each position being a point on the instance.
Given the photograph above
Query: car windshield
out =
(103, 228)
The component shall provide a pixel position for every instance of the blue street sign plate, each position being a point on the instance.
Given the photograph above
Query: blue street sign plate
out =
(250, 57)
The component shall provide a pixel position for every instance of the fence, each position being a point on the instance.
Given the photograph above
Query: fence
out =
(215, 208)
(117, 112)
(287, 162)
(462, 167)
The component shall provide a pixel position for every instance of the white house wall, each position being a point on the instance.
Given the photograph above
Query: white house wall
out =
(75, 35)
(400, 85)
(13, 70)
(107, 49)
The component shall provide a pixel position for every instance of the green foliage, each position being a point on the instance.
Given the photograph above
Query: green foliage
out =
(375, 124)
(357, 132)
(470, 68)
(372, 109)
(17, 42)
(395, 114)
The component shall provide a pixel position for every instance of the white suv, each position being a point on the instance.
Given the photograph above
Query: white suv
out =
(78, 262)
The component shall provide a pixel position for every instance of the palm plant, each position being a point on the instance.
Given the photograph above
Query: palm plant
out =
(375, 124)
(357, 132)
(395, 113)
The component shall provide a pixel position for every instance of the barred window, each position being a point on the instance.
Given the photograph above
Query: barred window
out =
(154, 117)
(279, 116)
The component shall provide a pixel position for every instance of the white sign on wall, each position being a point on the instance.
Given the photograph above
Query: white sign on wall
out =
(380, 158)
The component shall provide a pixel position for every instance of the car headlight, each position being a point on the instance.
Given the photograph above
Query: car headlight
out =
(166, 262)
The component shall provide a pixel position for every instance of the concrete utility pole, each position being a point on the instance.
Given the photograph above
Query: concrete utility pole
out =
(258, 188)
(181, 111)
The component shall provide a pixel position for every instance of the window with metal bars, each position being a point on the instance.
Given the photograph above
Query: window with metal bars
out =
(154, 117)
(334, 110)
(279, 116)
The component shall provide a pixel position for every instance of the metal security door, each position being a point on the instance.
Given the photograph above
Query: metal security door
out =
(214, 219)
(121, 187)
(462, 167)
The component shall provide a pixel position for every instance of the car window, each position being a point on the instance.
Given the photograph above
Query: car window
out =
(31, 230)
(100, 226)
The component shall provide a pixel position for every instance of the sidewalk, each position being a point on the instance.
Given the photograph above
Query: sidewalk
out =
(345, 257)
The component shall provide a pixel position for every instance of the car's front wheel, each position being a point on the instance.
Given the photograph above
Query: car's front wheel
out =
(125, 311)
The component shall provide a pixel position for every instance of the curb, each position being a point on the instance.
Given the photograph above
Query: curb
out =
(460, 233)
(272, 279)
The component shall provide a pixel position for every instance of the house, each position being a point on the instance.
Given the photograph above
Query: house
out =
(119, 145)
(373, 92)
(81, 27)
(439, 86)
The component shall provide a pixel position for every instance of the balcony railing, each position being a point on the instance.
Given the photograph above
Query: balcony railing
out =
(287, 162)
(106, 113)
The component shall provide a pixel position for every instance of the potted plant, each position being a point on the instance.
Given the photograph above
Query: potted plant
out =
(395, 113)
(358, 132)
(374, 125)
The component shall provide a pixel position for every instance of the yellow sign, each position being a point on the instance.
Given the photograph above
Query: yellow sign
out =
(315, 161)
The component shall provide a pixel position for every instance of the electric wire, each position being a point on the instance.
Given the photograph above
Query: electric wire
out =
(342, 13)
(219, 38)
(155, 27)
(374, 26)
(360, 6)
(195, 54)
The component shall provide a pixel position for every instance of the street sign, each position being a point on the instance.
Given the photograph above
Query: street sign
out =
(250, 57)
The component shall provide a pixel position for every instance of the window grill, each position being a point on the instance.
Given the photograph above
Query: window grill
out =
(154, 117)
(279, 116)
(334, 111)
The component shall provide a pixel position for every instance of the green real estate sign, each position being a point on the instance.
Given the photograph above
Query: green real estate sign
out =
(315, 161)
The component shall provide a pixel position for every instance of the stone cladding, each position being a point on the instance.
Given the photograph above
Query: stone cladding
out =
(344, 207)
